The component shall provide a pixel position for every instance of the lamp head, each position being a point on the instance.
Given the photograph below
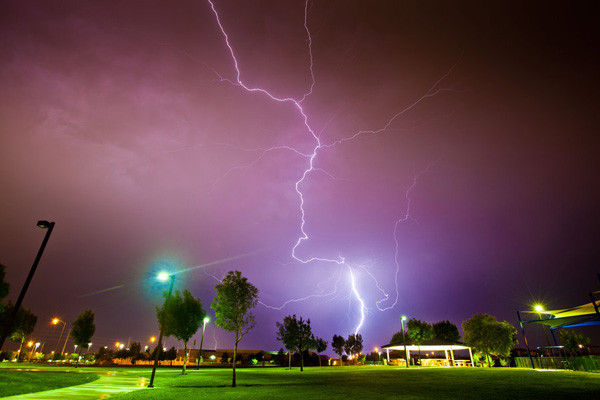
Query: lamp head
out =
(206, 320)
(55, 321)
(403, 318)
(163, 276)
(45, 224)
(538, 308)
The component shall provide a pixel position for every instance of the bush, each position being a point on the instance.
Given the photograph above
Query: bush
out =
(7, 355)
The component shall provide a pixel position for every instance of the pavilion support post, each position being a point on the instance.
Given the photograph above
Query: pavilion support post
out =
(452, 356)
(471, 357)
(446, 353)
(388, 355)
(525, 337)
(594, 303)
(407, 356)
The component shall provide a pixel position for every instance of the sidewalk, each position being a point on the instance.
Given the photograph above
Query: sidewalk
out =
(109, 384)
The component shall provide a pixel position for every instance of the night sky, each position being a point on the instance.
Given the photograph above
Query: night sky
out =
(457, 170)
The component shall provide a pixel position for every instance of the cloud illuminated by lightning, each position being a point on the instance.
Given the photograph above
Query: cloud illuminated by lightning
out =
(311, 157)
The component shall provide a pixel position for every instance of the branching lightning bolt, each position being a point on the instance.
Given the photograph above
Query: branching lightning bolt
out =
(311, 157)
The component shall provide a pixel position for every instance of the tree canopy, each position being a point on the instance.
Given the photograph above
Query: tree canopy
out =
(353, 345)
(296, 334)
(235, 299)
(184, 315)
(320, 346)
(337, 344)
(22, 326)
(573, 341)
(489, 336)
(418, 332)
(446, 330)
(82, 330)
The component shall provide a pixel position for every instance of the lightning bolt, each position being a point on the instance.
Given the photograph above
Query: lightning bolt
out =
(311, 158)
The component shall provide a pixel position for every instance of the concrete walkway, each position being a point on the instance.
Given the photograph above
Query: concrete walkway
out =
(110, 383)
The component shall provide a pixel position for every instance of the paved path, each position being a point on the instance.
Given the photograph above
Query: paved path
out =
(109, 384)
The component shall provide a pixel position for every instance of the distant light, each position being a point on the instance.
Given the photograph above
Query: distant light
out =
(163, 276)
(212, 357)
(30, 343)
(152, 339)
(206, 320)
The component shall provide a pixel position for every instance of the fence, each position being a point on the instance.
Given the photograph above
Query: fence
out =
(582, 363)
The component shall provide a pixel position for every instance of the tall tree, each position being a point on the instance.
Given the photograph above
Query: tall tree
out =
(296, 335)
(337, 344)
(418, 332)
(489, 336)
(183, 319)
(446, 330)
(320, 346)
(23, 325)
(235, 299)
(353, 346)
(82, 331)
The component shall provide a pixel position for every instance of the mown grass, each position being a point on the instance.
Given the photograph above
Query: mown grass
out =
(29, 379)
(371, 383)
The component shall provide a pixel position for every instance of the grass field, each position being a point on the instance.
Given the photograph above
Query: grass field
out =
(29, 379)
(371, 383)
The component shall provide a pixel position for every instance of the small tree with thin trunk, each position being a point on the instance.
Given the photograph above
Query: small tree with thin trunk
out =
(296, 335)
(320, 346)
(23, 325)
(489, 336)
(337, 344)
(184, 318)
(235, 299)
(353, 346)
(418, 332)
(82, 331)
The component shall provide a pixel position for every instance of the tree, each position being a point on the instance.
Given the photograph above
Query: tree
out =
(296, 335)
(445, 330)
(23, 325)
(224, 358)
(573, 341)
(354, 345)
(280, 357)
(418, 332)
(337, 344)
(489, 336)
(183, 319)
(235, 299)
(82, 331)
(320, 346)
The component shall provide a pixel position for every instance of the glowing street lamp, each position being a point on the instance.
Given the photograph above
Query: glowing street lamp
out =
(205, 321)
(11, 319)
(402, 319)
(163, 277)
(54, 322)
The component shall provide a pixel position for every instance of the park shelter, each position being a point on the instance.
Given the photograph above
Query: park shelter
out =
(430, 345)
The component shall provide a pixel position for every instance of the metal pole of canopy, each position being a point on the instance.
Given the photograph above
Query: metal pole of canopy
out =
(525, 337)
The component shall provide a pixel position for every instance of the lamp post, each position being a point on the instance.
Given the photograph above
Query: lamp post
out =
(15, 310)
(161, 277)
(205, 321)
(402, 319)
(540, 309)
(56, 321)
(66, 340)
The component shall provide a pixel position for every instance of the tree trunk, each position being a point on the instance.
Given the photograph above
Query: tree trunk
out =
(319, 359)
(185, 356)
(290, 359)
(488, 359)
(20, 349)
(234, 355)
(301, 361)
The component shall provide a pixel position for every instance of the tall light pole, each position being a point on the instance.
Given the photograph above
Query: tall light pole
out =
(56, 321)
(15, 310)
(163, 276)
(402, 319)
(205, 321)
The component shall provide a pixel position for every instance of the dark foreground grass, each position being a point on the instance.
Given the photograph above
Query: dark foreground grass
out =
(371, 383)
(26, 380)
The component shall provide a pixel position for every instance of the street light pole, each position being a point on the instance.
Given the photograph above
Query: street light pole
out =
(402, 319)
(205, 321)
(15, 310)
(56, 321)
(162, 328)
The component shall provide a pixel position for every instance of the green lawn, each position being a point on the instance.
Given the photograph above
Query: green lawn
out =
(29, 378)
(371, 383)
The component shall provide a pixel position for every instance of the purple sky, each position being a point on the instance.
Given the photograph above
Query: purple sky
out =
(123, 123)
